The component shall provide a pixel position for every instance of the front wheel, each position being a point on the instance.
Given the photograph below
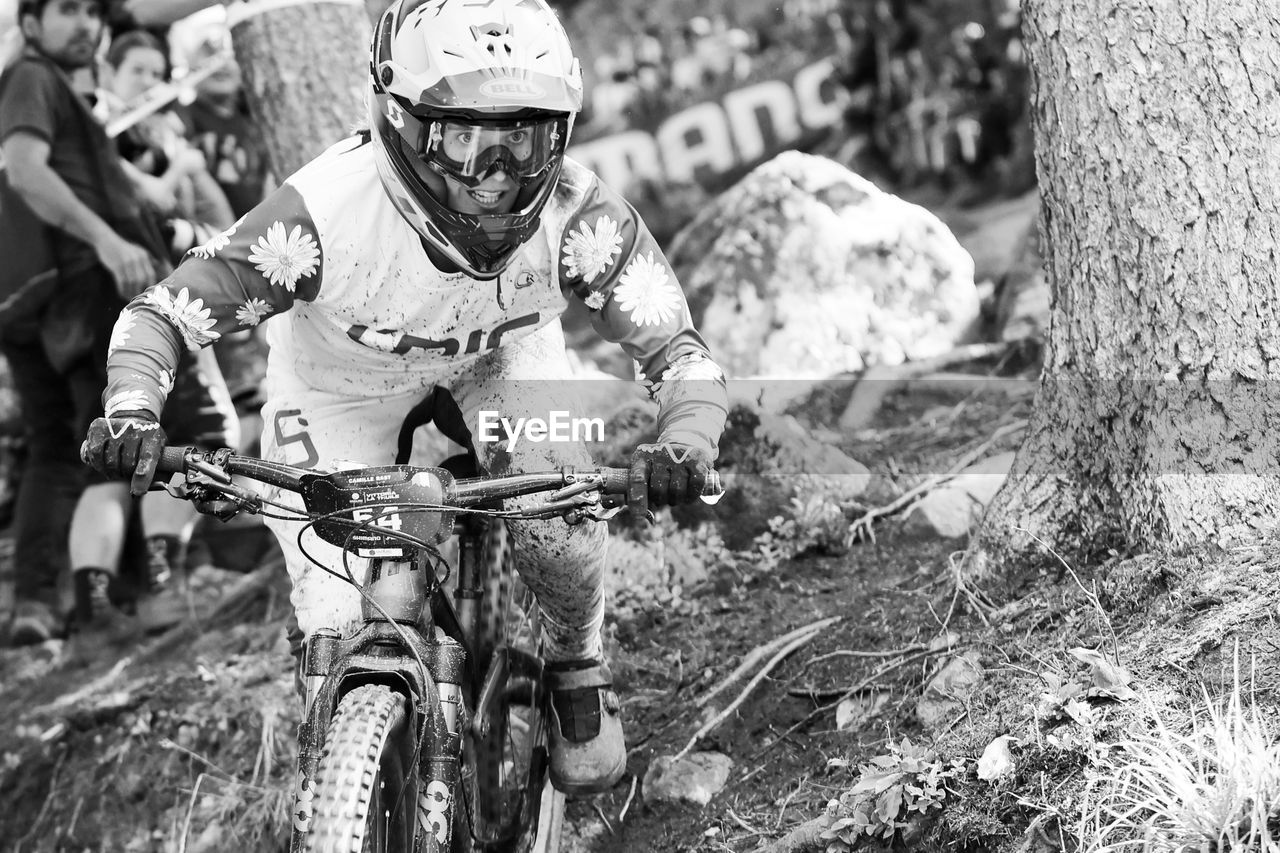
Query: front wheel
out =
(358, 807)
(508, 803)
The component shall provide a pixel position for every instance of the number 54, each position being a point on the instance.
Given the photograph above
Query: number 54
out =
(386, 517)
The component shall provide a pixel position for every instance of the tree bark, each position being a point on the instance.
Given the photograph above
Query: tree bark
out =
(306, 71)
(1159, 172)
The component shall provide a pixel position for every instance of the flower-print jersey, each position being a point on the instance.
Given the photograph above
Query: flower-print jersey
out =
(364, 312)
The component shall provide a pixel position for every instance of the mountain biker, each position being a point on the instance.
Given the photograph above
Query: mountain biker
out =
(438, 249)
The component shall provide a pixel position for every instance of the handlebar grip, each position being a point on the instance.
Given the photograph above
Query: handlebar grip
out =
(616, 480)
(173, 460)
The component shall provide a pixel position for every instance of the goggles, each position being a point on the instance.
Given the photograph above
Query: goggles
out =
(470, 152)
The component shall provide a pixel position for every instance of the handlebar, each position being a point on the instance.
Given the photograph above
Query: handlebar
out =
(222, 464)
(381, 511)
(387, 511)
(174, 460)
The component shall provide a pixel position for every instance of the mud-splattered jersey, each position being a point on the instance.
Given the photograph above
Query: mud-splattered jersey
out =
(364, 313)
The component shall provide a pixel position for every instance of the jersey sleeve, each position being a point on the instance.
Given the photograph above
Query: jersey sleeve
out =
(255, 269)
(30, 102)
(610, 261)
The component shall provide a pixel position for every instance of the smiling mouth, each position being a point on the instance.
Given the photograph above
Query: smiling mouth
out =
(486, 198)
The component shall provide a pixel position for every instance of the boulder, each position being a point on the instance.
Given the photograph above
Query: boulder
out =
(693, 779)
(952, 509)
(804, 269)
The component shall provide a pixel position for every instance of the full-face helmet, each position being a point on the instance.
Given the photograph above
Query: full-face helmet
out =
(462, 90)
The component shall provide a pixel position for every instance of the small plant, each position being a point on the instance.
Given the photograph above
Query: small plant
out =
(1064, 700)
(816, 521)
(1068, 698)
(892, 792)
(1213, 787)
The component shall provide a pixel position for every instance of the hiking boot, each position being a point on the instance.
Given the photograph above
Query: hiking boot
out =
(100, 619)
(164, 604)
(34, 622)
(588, 751)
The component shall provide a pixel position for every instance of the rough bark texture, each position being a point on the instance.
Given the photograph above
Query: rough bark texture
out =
(1159, 171)
(306, 70)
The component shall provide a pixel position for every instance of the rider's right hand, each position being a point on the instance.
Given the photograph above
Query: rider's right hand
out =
(126, 446)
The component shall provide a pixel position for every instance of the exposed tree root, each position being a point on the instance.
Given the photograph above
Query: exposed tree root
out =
(805, 838)
(800, 640)
(759, 653)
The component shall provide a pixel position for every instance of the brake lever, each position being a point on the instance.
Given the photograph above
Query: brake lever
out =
(595, 512)
(551, 509)
(589, 484)
(206, 492)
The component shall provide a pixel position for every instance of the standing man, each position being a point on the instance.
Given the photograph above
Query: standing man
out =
(76, 245)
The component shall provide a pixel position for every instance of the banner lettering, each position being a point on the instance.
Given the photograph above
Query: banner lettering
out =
(712, 138)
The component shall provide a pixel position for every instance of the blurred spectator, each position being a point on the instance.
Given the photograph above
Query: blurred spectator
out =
(612, 98)
(738, 43)
(168, 171)
(711, 47)
(940, 93)
(687, 75)
(76, 245)
(219, 124)
(649, 49)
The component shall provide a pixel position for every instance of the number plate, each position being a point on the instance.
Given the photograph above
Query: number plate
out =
(371, 510)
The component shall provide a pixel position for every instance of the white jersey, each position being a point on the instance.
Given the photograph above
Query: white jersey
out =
(364, 312)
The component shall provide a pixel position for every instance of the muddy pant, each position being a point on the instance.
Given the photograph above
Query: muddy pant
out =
(562, 565)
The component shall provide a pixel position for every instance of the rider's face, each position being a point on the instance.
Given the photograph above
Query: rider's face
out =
(497, 192)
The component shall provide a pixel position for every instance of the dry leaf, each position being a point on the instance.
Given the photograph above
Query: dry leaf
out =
(1109, 679)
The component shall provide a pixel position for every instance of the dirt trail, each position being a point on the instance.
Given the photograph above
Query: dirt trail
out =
(186, 743)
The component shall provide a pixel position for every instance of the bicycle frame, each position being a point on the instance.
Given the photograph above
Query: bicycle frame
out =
(377, 653)
(413, 639)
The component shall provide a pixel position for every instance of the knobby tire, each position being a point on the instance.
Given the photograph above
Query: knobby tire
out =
(357, 805)
(515, 748)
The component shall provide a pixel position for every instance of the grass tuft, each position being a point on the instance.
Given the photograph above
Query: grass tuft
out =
(1208, 786)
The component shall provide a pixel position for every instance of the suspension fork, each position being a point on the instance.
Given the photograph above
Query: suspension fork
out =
(470, 590)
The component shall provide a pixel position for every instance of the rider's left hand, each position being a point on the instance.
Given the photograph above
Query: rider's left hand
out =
(666, 475)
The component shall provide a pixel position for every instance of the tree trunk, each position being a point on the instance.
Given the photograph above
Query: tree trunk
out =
(306, 71)
(1159, 171)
